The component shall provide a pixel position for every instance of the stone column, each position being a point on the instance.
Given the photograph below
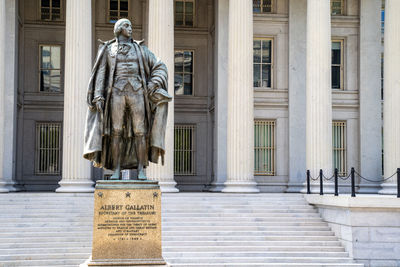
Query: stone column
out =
(161, 43)
(391, 93)
(297, 94)
(221, 89)
(318, 89)
(3, 182)
(240, 124)
(76, 171)
(370, 95)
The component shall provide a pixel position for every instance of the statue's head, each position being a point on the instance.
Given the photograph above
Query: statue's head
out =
(124, 27)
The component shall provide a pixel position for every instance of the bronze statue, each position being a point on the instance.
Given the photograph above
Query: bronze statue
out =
(128, 105)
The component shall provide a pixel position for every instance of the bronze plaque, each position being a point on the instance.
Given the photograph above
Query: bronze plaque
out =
(127, 221)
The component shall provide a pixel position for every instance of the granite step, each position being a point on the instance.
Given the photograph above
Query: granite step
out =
(199, 229)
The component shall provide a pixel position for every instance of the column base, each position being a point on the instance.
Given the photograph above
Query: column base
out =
(295, 188)
(388, 189)
(75, 186)
(4, 187)
(168, 187)
(240, 187)
(329, 188)
(217, 187)
(369, 188)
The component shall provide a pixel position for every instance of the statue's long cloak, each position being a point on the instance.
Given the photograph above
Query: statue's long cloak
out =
(97, 147)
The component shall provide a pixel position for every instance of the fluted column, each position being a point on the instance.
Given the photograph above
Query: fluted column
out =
(391, 93)
(76, 172)
(240, 125)
(370, 95)
(3, 183)
(318, 88)
(161, 43)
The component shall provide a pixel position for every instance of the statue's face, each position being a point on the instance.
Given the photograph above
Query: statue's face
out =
(126, 29)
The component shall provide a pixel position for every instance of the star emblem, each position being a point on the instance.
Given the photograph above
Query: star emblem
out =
(155, 194)
(100, 194)
(128, 194)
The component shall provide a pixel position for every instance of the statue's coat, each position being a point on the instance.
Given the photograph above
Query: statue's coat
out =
(97, 147)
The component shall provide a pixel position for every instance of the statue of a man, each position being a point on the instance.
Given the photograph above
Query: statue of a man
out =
(128, 104)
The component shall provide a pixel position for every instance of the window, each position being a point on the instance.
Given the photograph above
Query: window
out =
(50, 10)
(50, 68)
(117, 9)
(184, 153)
(337, 64)
(183, 72)
(262, 62)
(337, 7)
(184, 13)
(339, 147)
(262, 6)
(48, 148)
(264, 147)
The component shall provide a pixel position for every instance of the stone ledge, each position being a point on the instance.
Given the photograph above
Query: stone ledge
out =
(360, 201)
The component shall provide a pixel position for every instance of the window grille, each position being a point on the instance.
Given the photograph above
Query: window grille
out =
(337, 64)
(50, 68)
(337, 7)
(262, 6)
(264, 147)
(184, 152)
(48, 148)
(117, 9)
(183, 72)
(339, 147)
(184, 13)
(50, 10)
(262, 62)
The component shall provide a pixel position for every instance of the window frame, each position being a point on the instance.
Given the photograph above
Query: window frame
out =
(273, 4)
(341, 149)
(60, 149)
(119, 11)
(341, 65)
(272, 64)
(193, 151)
(61, 68)
(184, 12)
(61, 19)
(273, 140)
(183, 73)
(342, 7)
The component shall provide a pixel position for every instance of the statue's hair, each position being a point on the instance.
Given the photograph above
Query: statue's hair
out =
(118, 26)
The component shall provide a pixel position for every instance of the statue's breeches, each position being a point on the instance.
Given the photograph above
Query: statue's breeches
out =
(131, 102)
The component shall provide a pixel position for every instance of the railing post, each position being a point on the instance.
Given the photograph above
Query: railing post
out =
(353, 184)
(321, 182)
(398, 182)
(308, 182)
(336, 183)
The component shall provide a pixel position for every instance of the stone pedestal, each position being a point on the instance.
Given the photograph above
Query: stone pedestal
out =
(127, 224)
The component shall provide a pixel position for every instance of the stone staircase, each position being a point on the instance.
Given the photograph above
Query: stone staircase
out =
(199, 229)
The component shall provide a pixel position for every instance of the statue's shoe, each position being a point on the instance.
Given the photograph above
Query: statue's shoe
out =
(141, 175)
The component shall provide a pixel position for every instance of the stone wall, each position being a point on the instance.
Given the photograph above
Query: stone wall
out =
(368, 226)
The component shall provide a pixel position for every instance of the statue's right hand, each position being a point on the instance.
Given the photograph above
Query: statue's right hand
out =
(99, 106)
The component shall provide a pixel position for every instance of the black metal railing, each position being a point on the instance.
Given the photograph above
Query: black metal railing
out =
(352, 175)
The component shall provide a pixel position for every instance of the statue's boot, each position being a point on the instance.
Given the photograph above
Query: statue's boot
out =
(115, 146)
(116, 174)
(141, 155)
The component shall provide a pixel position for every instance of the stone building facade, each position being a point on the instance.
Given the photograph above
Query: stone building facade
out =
(264, 90)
